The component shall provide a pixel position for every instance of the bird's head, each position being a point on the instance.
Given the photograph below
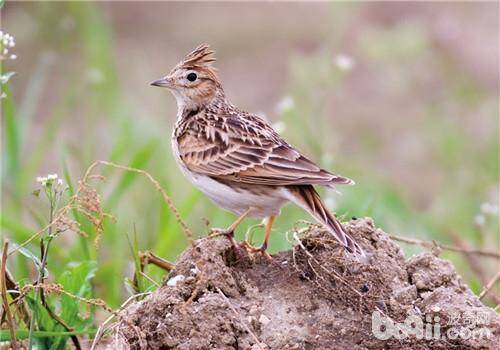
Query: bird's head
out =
(194, 80)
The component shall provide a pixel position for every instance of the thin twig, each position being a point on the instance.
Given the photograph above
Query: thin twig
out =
(474, 262)
(58, 289)
(257, 341)
(149, 279)
(36, 234)
(100, 330)
(156, 184)
(10, 319)
(490, 285)
(148, 257)
(13, 290)
(59, 320)
(332, 273)
(434, 244)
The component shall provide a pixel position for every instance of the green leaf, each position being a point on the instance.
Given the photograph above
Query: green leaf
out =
(76, 280)
(27, 253)
(23, 334)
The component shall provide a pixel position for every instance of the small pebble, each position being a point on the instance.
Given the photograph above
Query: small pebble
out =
(174, 280)
(264, 320)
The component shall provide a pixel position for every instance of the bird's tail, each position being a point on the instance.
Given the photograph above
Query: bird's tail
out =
(306, 197)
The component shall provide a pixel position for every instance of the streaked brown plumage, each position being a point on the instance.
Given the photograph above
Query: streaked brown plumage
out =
(235, 157)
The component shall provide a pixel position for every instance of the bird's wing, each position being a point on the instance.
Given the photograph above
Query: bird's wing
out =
(244, 148)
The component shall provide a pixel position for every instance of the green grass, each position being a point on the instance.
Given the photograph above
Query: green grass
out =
(143, 221)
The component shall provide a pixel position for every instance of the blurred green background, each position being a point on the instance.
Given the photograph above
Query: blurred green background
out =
(400, 97)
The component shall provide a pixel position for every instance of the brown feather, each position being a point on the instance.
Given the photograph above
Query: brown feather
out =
(310, 200)
(248, 151)
(200, 56)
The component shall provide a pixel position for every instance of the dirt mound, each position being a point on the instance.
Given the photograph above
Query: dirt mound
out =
(315, 296)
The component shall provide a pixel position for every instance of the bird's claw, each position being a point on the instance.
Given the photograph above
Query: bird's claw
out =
(260, 250)
(216, 232)
(229, 234)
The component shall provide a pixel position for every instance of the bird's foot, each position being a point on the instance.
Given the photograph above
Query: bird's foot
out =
(257, 250)
(216, 232)
(229, 234)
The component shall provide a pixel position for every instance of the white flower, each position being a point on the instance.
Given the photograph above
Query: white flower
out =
(41, 179)
(344, 62)
(6, 42)
(49, 179)
(285, 104)
(7, 39)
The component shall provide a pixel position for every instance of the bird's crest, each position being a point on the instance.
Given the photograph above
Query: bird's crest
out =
(202, 56)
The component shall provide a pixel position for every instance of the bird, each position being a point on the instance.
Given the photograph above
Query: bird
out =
(237, 159)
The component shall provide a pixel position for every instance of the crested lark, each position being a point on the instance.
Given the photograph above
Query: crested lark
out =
(236, 158)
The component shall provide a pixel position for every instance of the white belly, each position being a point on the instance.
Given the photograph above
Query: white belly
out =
(239, 201)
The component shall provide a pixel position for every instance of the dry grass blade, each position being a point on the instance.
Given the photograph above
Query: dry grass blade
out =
(58, 289)
(156, 184)
(13, 290)
(102, 327)
(474, 262)
(434, 245)
(5, 302)
(332, 273)
(490, 285)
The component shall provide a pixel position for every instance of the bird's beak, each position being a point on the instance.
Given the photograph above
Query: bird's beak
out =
(163, 82)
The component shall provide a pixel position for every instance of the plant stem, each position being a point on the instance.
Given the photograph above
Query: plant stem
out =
(41, 273)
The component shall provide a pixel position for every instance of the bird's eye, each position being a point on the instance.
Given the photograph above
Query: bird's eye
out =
(191, 76)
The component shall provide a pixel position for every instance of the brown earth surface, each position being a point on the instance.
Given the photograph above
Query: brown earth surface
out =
(315, 296)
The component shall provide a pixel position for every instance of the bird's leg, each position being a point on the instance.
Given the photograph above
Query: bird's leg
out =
(262, 249)
(229, 232)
